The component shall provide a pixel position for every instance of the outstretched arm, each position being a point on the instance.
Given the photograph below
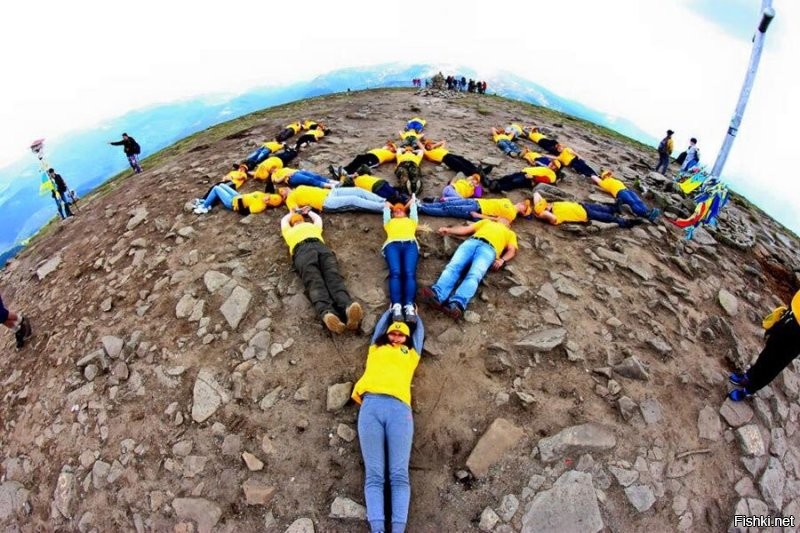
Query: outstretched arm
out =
(117, 143)
(461, 231)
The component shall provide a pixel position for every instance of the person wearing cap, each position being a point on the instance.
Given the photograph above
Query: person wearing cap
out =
(475, 209)
(244, 204)
(625, 196)
(386, 420)
(505, 141)
(332, 200)
(235, 179)
(407, 170)
(288, 132)
(20, 325)
(528, 178)
(492, 244)
(692, 155)
(782, 327)
(275, 161)
(401, 252)
(318, 268)
(463, 188)
(664, 153)
(581, 213)
(437, 152)
(372, 159)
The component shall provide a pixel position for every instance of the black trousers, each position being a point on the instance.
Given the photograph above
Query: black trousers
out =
(549, 145)
(284, 134)
(783, 345)
(319, 270)
(371, 160)
(517, 180)
(459, 163)
(581, 167)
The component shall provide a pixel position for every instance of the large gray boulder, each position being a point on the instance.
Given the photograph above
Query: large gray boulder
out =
(571, 505)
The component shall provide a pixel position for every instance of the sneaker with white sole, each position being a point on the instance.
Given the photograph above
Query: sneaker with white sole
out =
(411, 314)
(200, 210)
(397, 313)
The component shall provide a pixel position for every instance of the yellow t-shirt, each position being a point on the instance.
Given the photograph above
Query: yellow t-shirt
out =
(295, 126)
(502, 207)
(566, 156)
(464, 188)
(612, 186)
(409, 156)
(389, 371)
(400, 229)
(272, 146)
(516, 128)
(500, 236)
(256, 202)
(530, 156)
(300, 232)
(308, 124)
(437, 154)
(366, 182)
(569, 212)
(497, 137)
(535, 136)
(264, 168)
(409, 134)
(305, 195)
(238, 177)
(384, 155)
(540, 174)
(282, 175)
(317, 133)
(795, 305)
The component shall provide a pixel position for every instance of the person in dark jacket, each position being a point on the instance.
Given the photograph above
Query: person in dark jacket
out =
(17, 323)
(60, 193)
(132, 151)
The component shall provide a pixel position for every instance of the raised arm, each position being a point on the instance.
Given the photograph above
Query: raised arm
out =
(387, 212)
(316, 219)
(412, 208)
(285, 221)
(418, 337)
(382, 325)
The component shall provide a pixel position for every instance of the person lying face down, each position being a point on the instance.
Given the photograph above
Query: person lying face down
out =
(579, 213)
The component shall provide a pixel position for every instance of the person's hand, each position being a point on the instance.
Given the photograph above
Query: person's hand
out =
(306, 210)
(498, 264)
(444, 231)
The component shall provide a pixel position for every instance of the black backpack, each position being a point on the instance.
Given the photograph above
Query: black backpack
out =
(136, 148)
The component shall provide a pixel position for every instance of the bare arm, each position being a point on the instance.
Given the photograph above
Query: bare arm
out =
(507, 255)
(316, 219)
(549, 217)
(285, 221)
(461, 231)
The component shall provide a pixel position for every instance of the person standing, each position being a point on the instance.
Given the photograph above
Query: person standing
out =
(692, 155)
(17, 323)
(782, 346)
(132, 151)
(60, 193)
(664, 153)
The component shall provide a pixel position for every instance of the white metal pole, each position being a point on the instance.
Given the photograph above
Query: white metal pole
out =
(767, 14)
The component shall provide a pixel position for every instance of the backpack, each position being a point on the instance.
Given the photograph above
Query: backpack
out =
(136, 148)
(662, 146)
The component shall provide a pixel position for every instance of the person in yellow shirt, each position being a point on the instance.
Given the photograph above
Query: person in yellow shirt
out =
(401, 252)
(385, 418)
(581, 213)
(492, 244)
(262, 152)
(533, 134)
(288, 132)
(235, 179)
(565, 155)
(244, 204)
(332, 200)
(314, 134)
(275, 161)
(296, 177)
(474, 209)
(505, 141)
(372, 159)
(528, 178)
(318, 268)
(463, 188)
(363, 179)
(437, 152)
(781, 348)
(665, 148)
(407, 170)
(417, 124)
(625, 196)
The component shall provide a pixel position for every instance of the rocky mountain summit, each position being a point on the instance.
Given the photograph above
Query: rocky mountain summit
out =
(179, 381)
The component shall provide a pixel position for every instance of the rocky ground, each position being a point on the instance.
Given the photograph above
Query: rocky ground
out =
(177, 379)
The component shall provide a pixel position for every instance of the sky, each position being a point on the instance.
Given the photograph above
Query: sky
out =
(677, 64)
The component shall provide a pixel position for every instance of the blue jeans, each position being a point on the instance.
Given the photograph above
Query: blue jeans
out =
(351, 199)
(688, 164)
(663, 163)
(304, 177)
(259, 155)
(401, 257)
(223, 193)
(475, 256)
(604, 213)
(452, 207)
(133, 161)
(509, 147)
(626, 196)
(385, 424)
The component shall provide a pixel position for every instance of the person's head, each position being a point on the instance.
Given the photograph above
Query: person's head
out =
(296, 218)
(51, 171)
(554, 165)
(124, 135)
(391, 146)
(397, 334)
(605, 173)
(669, 133)
(242, 167)
(475, 179)
(539, 204)
(560, 147)
(273, 200)
(693, 140)
(398, 210)
(524, 208)
(284, 192)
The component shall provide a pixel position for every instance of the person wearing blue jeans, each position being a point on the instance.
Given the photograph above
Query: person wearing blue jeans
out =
(220, 193)
(385, 419)
(624, 196)
(306, 177)
(262, 153)
(492, 245)
(692, 156)
(402, 253)
(350, 198)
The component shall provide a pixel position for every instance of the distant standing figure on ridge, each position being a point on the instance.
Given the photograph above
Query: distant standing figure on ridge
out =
(692, 155)
(132, 150)
(17, 323)
(60, 193)
(664, 153)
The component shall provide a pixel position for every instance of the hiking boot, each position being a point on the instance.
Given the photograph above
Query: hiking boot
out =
(487, 169)
(354, 316)
(411, 314)
(737, 395)
(333, 323)
(23, 332)
(198, 201)
(332, 171)
(428, 297)
(454, 311)
(740, 380)
(397, 313)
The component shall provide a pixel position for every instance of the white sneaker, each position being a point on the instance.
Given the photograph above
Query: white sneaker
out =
(397, 313)
(198, 201)
(411, 314)
(200, 210)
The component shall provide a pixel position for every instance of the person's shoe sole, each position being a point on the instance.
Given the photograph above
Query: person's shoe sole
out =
(454, 312)
(333, 323)
(354, 316)
(428, 297)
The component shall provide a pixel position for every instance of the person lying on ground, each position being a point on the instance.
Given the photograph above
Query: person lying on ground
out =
(476, 209)
(527, 178)
(582, 213)
(288, 132)
(565, 155)
(373, 158)
(332, 200)
(505, 141)
(463, 188)
(311, 136)
(624, 196)
(262, 152)
(235, 179)
(407, 170)
(244, 204)
(401, 252)
(363, 179)
(437, 152)
(277, 160)
(295, 177)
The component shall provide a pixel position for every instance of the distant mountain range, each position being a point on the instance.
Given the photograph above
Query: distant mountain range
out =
(86, 160)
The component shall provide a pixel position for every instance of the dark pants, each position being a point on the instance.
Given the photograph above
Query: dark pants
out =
(549, 145)
(371, 160)
(459, 163)
(401, 258)
(628, 197)
(62, 203)
(605, 213)
(319, 270)
(306, 138)
(663, 163)
(409, 176)
(517, 180)
(286, 155)
(384, 190)
(783, 345)
(581, 167)
(284, 134)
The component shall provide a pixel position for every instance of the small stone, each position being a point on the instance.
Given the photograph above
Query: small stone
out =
(772, 484)
(346, 508)
(499, 438)
(489, 520)
(105, 305)
(194, 465)
(624, 476)
(641, 497)
(182, 448)
(543, 341)
(65, 493)
(632, 368)
(736, 413)
(301, 525)
(651, 411)
(232, 445)
(90, 372)
(728, 302)
(576, 440)
(508, 507)
(112, 345)
(253, 463)
(256, 493)
(345, 432)
(708, 424)
(338, 396)
(236, 306)
(204, 512)
(750, 440)
(627, 407)
(100, 474)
